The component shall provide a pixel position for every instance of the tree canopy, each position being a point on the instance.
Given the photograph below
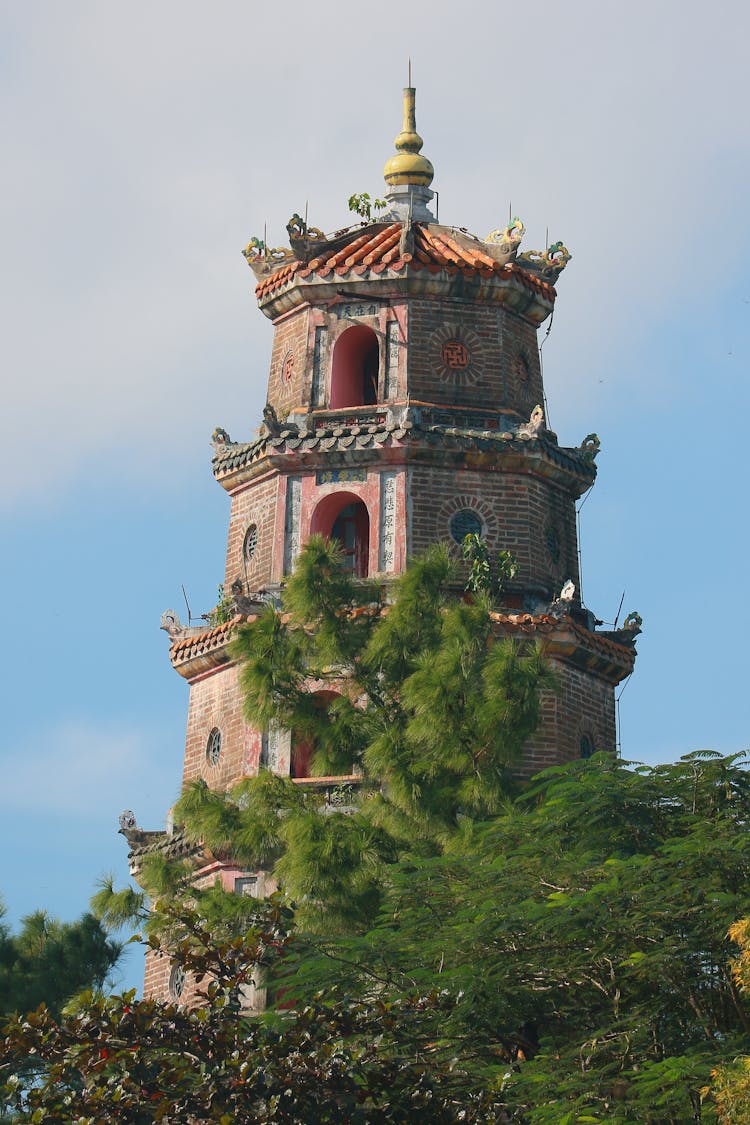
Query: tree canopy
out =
(585, 936)
(571, 959)
(342, 1062)
(449, 946)
(48, 961)
(417, 698)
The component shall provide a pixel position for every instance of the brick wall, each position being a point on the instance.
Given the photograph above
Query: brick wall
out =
(498, 366)
(532, 518)
(159, 965)
(290, 362)
(256, 505)
(215, 701)
(584, 704)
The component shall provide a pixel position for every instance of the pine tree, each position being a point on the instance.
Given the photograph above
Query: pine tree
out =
(48, 961)
(420, 701)
(470, 951)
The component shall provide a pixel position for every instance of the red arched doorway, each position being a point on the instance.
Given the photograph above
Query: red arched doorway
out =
(344, 517)
(354, 371)
(303, 746)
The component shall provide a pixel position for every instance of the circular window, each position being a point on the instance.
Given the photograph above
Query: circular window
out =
(250, 541)
(587, 746)
(463, 523)
(176, 982)
(213, 747)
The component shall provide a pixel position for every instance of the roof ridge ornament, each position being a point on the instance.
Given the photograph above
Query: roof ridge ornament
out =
(547, 264)
(508, 238)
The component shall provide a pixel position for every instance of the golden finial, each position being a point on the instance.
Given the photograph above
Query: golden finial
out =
(408, 166)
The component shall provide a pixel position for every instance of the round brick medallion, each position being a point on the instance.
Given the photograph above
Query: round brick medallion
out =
(287, 367)
(464, 522)
(457, 354)
(176, 982)
(587, 746)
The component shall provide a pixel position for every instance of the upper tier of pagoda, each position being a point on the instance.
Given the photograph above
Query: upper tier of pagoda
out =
(407, 249)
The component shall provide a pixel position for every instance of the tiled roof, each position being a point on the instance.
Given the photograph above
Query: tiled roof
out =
(621, 651)
(613, 659)
(173, 845)
(335, 437)
(434, 248)
(206, 641)
(607, 644)
(525, 622)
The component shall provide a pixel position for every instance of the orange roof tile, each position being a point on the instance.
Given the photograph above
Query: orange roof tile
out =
(206, 640)
(434, 249)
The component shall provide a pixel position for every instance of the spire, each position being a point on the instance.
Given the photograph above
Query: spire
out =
(408, 173)
(408, 166)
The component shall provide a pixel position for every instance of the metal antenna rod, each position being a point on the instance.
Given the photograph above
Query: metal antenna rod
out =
(617, 617)
(187, 603)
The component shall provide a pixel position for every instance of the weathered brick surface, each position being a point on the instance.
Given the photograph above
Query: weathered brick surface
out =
(256, 505)
(451, 351)
(290, 362)
(518, 513)
(215, 701)
(583, 704)
(500, 348)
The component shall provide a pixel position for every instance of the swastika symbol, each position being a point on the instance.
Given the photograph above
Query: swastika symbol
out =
(455, 354)
(287, 367)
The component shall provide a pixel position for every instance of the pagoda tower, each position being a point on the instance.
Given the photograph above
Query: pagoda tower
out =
(403, 409)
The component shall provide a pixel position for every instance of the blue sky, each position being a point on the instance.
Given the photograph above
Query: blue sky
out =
(146, 144)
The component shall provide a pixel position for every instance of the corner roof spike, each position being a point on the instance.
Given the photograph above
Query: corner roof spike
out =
(408, 166)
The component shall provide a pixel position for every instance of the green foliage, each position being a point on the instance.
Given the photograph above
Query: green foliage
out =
(485, 577)
(223, 611)
(141, 1061)
(461, 950)
(429, 709)
(582, 935)
(361, 204)
(416, 698)
(729, 1090)
(117, 909)
(49, 961)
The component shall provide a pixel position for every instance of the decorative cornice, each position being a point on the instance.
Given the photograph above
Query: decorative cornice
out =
(610, 655)
(412, 259)
(417, 433)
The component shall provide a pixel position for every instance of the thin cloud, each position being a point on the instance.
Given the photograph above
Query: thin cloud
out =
(81, 768)
(144, 150)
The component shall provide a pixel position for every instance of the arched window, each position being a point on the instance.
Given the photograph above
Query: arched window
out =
(303, 746)
(354, 373)
(344, 517)
(587, 746)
